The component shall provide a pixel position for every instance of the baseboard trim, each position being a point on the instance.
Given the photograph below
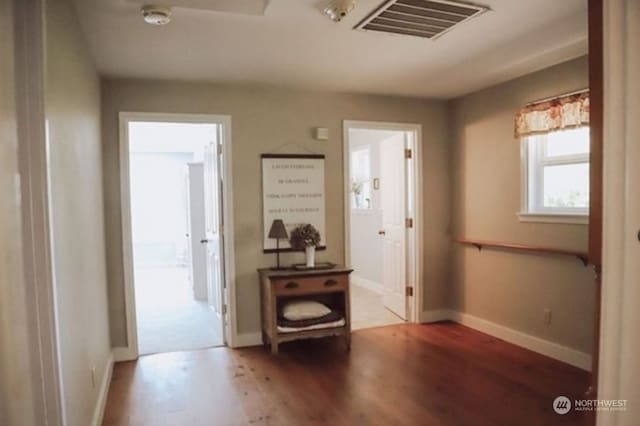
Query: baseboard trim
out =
(101, 403)
(436, 316)
(368, 284)
(123, 353)
(244, 340)
(553, 350)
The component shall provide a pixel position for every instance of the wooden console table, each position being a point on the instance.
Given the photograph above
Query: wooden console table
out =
(329, 286)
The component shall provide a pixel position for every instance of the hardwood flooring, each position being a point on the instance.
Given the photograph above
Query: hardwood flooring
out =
(410, 374)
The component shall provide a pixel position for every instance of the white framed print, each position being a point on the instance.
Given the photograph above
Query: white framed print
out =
(293, 190)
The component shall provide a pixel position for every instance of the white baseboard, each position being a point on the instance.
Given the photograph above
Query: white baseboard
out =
(552, 350)
(244, 340)
(123, 353)
(98, 412)
(365, 283)
(436, 316)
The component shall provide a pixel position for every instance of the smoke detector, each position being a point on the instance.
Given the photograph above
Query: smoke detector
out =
(156, 15)
(338, 9)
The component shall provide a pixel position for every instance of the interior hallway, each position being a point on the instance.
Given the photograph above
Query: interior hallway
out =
(169, 318)
(367, 309)
(430, 374)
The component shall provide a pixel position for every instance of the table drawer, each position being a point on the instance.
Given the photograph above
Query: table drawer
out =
(306, 285)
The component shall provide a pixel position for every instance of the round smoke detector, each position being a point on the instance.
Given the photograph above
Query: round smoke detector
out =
(156, 15)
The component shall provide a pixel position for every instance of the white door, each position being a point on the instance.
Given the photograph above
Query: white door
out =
(393, 232)
(213, 234)
(196, 227)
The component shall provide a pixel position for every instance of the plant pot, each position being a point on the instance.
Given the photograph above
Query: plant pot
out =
(310, 252)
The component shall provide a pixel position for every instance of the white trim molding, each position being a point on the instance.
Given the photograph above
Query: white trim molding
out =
(366, 284)
(566, 218)
(536, 344)
(545, 347)
(101, 403)
(619, 370)
(244, 340)
(130, 352)
(40, 307)
(124, 353)
(415, 270)
(437, 315)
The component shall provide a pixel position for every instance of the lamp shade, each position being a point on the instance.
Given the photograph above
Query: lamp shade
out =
(278, 230)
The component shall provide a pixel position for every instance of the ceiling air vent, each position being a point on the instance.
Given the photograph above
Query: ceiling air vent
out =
(420, 18)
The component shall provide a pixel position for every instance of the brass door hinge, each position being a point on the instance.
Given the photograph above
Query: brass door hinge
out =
(219, 148)
(408, 223)
(409, 291)
(224, 309)
(408, 153)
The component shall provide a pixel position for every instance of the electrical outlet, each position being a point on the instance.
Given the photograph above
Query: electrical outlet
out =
(547, 316)
(93, 376)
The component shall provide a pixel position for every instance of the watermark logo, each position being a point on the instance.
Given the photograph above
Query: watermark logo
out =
(562, 405)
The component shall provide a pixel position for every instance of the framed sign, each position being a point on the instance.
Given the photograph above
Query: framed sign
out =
(292, 190)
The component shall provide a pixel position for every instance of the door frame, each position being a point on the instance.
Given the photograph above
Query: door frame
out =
(617, 370)
(229, 294)
(33, 300)
(415, 236)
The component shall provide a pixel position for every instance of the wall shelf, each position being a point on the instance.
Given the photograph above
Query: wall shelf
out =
(480, 244)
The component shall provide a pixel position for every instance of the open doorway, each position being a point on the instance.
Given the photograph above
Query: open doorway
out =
(381, 218)
(175, 189)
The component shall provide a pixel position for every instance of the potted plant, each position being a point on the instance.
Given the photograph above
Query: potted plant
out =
(356, 189)
(306, 237)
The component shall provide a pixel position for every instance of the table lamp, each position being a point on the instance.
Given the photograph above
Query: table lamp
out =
(278, 231)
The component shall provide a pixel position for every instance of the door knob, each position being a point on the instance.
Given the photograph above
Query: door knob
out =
(382, 232)
(205, 241)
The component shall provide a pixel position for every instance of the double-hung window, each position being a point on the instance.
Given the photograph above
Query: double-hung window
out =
(555, 173)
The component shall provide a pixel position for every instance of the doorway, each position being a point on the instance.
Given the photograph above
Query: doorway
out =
(173, 192)
(382, 211)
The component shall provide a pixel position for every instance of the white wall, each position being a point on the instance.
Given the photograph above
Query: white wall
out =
(159, 208)
(19, 397)
(72, 108)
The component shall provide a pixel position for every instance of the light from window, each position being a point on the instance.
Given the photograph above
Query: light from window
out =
(361, 179)
(557, 172)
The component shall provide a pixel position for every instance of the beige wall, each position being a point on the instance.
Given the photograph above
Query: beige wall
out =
(72, 107)
(503, 287)
(266, 120)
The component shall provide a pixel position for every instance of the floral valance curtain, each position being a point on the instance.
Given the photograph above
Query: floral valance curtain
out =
(564, 112)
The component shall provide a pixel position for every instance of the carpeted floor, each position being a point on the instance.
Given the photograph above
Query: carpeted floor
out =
(168, 317)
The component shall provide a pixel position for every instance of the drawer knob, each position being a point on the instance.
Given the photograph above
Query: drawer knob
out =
(330, 283)
(291, 285)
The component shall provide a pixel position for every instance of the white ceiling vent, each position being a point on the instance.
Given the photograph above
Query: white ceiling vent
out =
(420, 18)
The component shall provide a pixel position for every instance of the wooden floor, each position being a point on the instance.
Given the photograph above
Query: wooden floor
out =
(410, 374)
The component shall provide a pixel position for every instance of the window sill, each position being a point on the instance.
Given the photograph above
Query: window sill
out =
(362, 212)
(567, 218)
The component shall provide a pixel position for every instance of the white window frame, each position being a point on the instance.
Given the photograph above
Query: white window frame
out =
(533, 161)
(364, 149)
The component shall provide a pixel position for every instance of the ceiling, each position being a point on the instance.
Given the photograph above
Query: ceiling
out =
(294, 45)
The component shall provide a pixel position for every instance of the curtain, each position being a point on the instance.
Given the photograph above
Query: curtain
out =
(564, 112)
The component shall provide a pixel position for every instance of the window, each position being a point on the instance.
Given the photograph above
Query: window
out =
(556, 176)
(361, 179)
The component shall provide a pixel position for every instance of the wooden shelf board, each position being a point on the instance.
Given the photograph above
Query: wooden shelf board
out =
(480, 244)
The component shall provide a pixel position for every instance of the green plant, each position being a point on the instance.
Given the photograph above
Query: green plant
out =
(356, 187)
(305, 235)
